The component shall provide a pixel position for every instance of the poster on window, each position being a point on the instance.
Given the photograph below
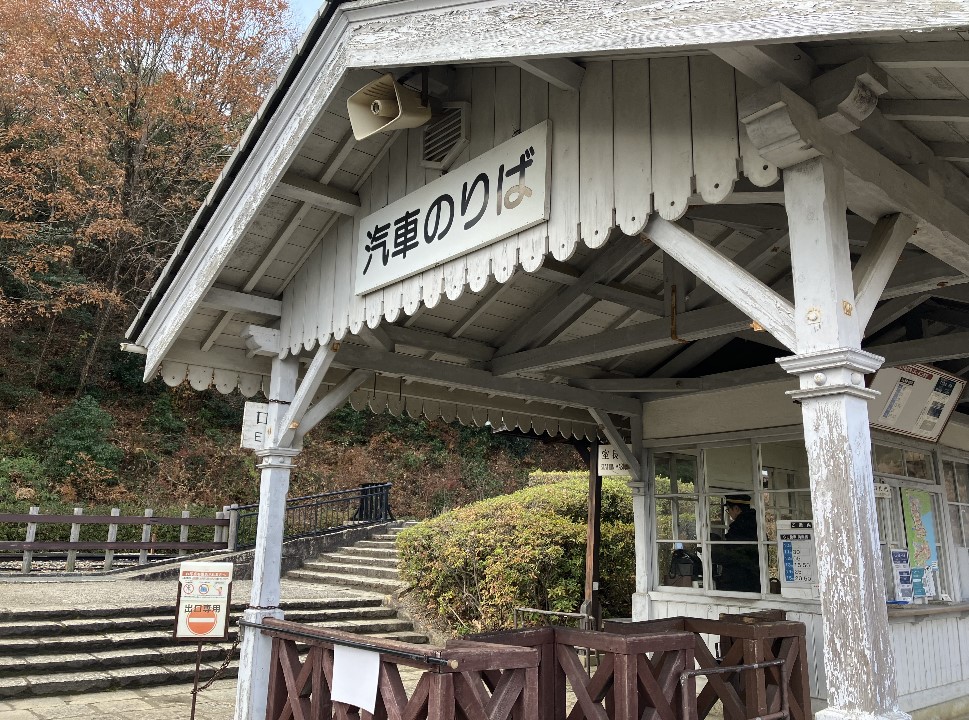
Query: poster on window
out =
(919, 513)
(497, 194)
(798, 560)
(914, 400)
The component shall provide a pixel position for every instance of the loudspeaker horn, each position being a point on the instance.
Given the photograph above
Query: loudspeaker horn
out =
(384, 105)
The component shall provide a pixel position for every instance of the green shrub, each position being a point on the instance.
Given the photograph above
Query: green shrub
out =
(79, 436)
(473, 565)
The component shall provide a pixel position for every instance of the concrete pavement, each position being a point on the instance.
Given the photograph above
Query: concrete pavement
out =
(157, 703)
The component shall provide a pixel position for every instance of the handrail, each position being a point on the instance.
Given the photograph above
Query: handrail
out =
(371, 646)
(320, 514)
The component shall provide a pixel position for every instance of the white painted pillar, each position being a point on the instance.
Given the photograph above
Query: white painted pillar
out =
(275, 465)
(644, 521)
(858, 655)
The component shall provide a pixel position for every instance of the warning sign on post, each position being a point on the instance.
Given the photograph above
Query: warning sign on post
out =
(204, 593)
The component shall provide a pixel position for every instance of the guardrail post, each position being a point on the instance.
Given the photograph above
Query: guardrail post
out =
(31, 536)
(75, 537)
(233, 538)
(226, 514)
(112, 537)
(217, 533)
(183, 532)
(145, 538)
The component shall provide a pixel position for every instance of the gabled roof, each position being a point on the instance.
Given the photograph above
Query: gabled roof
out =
(298, 167)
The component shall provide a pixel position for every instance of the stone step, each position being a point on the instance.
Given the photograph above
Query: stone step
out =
(383, 537)
(73, 683)
(104, 627)
(165, 666)
(380, 585)
(142, 611)
(377, 545)
(350, 557)
(380, 553)
(361, 571)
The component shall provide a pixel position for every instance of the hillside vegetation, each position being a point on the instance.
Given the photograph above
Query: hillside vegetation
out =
(472, 566)
(133, 445)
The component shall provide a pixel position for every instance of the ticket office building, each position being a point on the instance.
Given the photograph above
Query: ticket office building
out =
(756, 450)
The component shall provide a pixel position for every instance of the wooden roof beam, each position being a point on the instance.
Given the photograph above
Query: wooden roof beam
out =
(461, 377)
(926, 110)
(950, 151)
(232, 301)
(640, 385)
(561, 73)
(558, 308)
(904, 56)
(786, 63)
(758, 301)
(786, 130)
(297, 187)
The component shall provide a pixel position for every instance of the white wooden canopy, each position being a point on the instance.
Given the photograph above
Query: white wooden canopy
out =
(583, 311)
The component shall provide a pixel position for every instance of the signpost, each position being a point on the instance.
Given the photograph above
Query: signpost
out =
(202, 607)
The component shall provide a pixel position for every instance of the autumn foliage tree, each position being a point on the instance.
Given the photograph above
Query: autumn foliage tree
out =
(115, 118)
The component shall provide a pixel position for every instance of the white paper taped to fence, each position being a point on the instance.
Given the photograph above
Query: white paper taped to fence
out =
(355, 676)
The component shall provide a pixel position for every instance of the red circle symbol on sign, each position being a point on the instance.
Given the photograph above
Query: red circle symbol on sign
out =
(201, 622)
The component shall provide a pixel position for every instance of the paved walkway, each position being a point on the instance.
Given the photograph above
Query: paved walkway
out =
(156, 703)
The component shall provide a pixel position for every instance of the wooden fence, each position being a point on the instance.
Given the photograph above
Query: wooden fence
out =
(223, 534)
(744, 640)
(645, 670)
(473, 680)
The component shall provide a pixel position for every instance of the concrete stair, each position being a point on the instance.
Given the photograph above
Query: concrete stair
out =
(54, 652)
(70, 651)
(366, 565)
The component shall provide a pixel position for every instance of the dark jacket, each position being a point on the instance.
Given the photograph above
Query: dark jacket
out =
(739, 566)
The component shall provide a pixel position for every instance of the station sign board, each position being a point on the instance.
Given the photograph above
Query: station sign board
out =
(495, 195)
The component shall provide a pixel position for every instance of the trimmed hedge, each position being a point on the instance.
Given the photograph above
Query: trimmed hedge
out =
(473, 565)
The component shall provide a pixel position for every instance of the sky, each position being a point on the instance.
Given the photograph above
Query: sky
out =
(305, 10)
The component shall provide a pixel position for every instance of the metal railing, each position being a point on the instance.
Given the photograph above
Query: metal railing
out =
(321, 514)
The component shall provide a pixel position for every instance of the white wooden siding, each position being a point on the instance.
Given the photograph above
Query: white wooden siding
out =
(626, 135)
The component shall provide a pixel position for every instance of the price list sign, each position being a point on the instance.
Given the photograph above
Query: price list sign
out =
(799, 565)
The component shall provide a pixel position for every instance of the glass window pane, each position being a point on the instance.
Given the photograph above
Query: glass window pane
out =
(685, 475)
(918, 465)
(784, 466)
(664, 519)
(957, 535)
(718, 521)
(663, 474)
(680, 565)
(789, 505)
(686, 519)
(736, 566)
(889, 460)
(773, 570)
(962, 481)
(728, 470)
(949, 480)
